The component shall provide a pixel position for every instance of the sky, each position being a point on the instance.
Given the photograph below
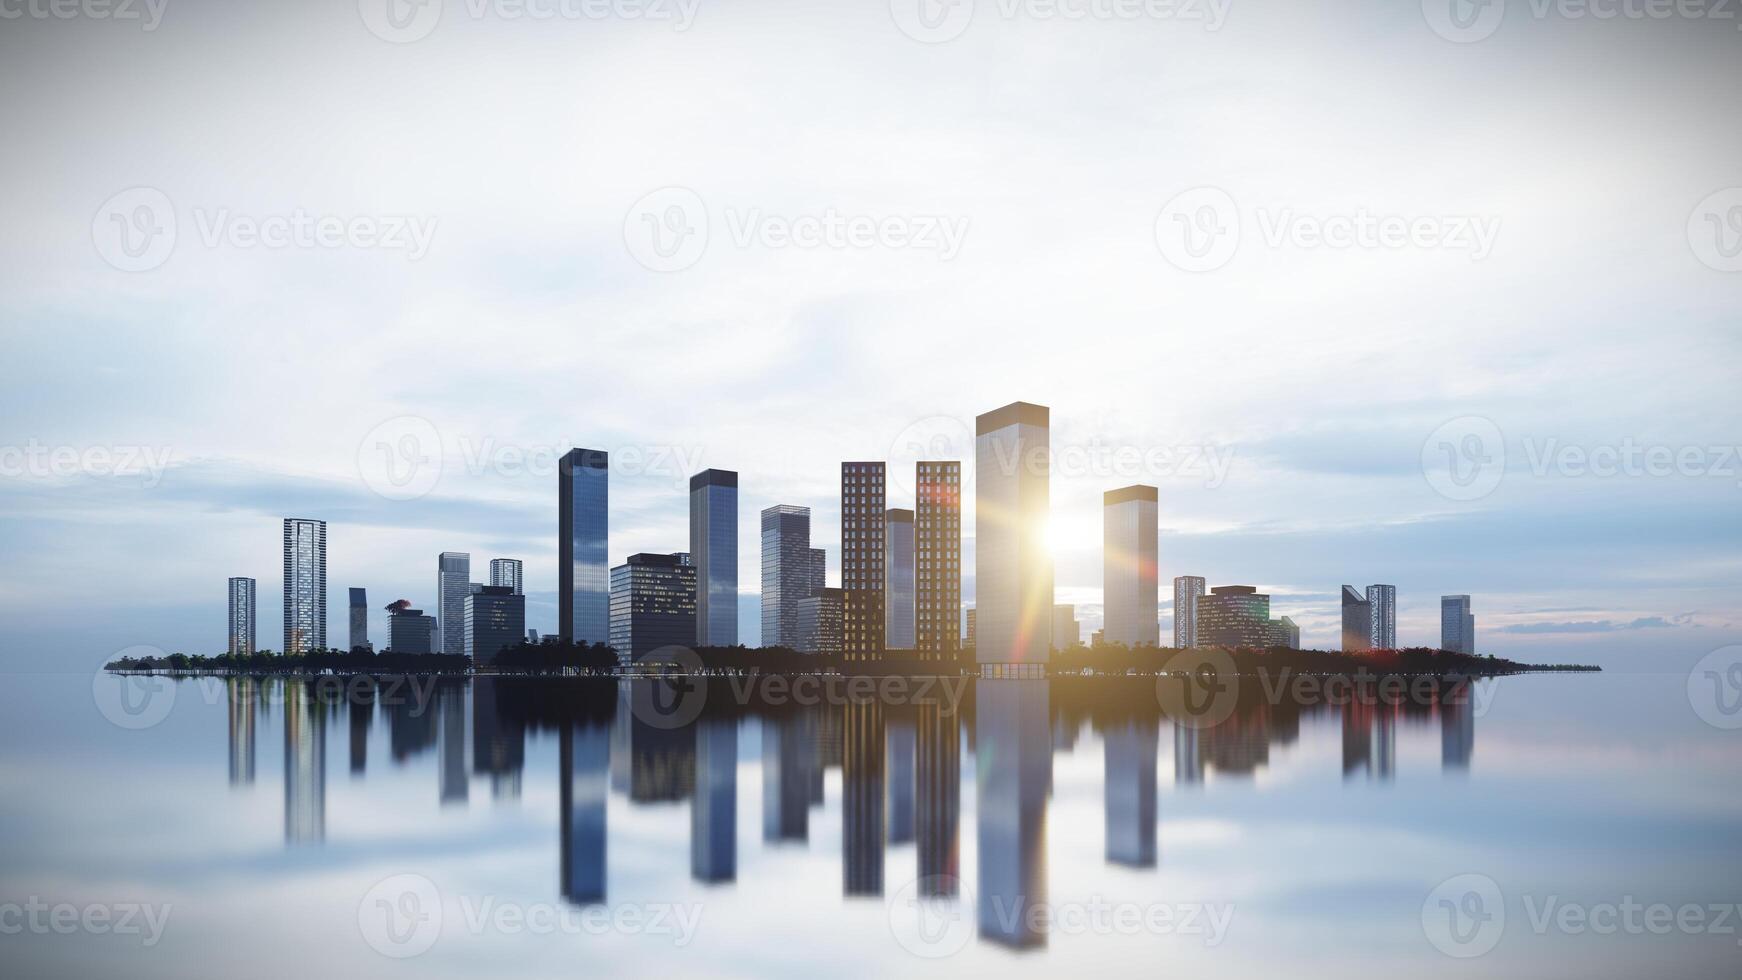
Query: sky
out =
(1369, 294)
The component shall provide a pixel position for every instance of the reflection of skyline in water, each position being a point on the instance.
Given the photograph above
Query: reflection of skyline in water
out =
(900, 768)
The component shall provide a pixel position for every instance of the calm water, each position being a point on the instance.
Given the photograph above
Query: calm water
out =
(508, 828)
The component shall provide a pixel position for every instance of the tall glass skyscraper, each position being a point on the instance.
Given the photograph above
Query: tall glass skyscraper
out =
(453, 581)
(1357, 621)
(787, 572)
(494, 619)
(1186, 589)
(653, 604)
(1382, 604)
(305, 585)
(1128, 567)
(242, 604)
(714, 549)
(508, 573)
(898, 581)
(583, 565)
(359, 619)
(938, 561)
(862, 560)
(1012, 565)
(1457, 625)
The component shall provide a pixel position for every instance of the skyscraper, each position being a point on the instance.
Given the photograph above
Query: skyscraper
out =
(1128, 562)
(1012, 566)
(1186, 590)
(242, 603)
(583, 567)
(787, 572)
(359, 620)
(938, 558)
(1357, 621)
(409, 630)
(862, 560)
(1066, 631)
(970, 640)
(1382, 606)
(1457, 625)
(898, 580)
(305, 585)
(494, 619)
(1234, 616)
(819, 569)
(508, 573)
(453, 581)
(714, 549)
(819, 623)
(653, 604)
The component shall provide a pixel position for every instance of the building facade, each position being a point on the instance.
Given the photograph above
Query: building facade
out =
(1129, 585)
(409, 630)
(1284, 633)
(1382, 608)
(243, 595)
(863, 531)
(305, 585)
(788, 572)
(1357, 621)
(508, 573)
(899, 583)
(937, 558)
(583, 565)
(819, 622)
(359, 620)
(1186, 590)
(653, 604)
(1012, 563)
(973, 634)
(714, 549)
(1457, 625)
(453, 583)
(1234, 616)
(495, 619)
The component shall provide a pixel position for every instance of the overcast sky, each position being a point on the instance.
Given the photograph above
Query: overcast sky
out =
(1290, 264)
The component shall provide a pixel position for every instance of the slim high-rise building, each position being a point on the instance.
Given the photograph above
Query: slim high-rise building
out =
(1357, 621)
(973, 633)
(1066, 631)
(1457, 625)
(1186, 589)
(508, 573)
(305, 585)
(1234, 616)
(495, 619)
(819, 569)
(863, 559)
(714, 549)
(1382, 603)
(938, 558)
(1012, 565)
(583, 567)
(787, 572)
(898, 580)
(359, 620)
(1128, 556)
(453, 582)
(653, 604)
(242, 604)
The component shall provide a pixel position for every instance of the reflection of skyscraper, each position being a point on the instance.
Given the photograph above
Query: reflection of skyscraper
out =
(1188, 757)
(583, 528)
(1186, 589)
(1382, 605)
(938, 774)
(1128, 557)
(362, 715)
(498, 744)
(1457, 625)
(1012, 563)
(938, 561)
(898, 580)
(453, 582)
(585, 758)
(508, 573)
(1457, 727)
(305, 585)
(242, 621)
(454, 783)
(714, 808)
(786, 572)
(900, 766)
(359, 620)
(1130, 751)
(243, 696)
(1014, 765)
(862, 787)
(650, 763)
(714, 550)
(862, 560)
(1357, 621)
(305, 766)
(789, 758)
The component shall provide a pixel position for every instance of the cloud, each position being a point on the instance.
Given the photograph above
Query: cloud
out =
(1590, 626)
